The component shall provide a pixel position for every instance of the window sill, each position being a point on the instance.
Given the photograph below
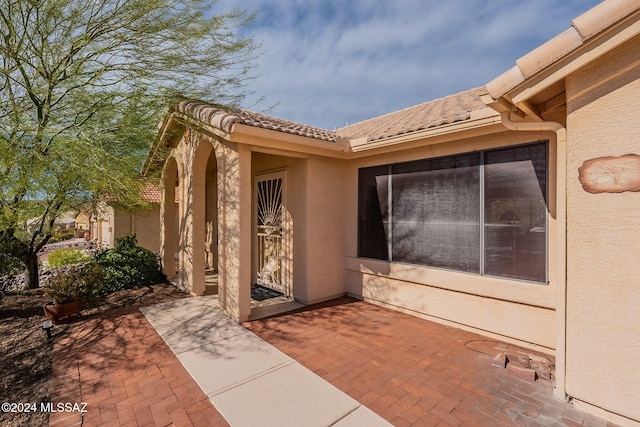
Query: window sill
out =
(513, 290)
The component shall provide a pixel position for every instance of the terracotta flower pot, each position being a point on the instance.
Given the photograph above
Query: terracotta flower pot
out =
(62, 313)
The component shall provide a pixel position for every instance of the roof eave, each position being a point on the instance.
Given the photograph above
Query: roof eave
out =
(161, 134)
(592, 34)
(269, 139)
(480, 119)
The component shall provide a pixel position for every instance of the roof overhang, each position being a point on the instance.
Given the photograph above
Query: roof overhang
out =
(171, 129)
(536, 85)
(175, 122)
(268, 140)
(481, 122)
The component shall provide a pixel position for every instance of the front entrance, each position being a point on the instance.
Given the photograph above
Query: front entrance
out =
(271, 246)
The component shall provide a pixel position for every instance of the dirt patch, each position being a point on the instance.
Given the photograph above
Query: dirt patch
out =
(27, 355)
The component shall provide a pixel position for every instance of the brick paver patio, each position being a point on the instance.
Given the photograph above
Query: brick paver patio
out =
(412, 371)
(127, 375)
(408, 370)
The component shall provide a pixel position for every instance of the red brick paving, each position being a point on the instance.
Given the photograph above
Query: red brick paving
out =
(408, 370)
(414, 372)
(127, 375)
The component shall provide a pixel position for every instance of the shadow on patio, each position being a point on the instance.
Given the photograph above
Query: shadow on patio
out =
(126, 374)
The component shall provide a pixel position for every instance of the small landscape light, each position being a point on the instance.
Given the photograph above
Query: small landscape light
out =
(46, 326)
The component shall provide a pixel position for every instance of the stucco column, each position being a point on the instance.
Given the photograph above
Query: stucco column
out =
(234, 202)
(168, 219)
(194, 217)
(246, 234)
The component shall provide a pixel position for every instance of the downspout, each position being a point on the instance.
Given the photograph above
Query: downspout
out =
(561, 232)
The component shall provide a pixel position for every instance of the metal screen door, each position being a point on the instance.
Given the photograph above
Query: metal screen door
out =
(270, 231)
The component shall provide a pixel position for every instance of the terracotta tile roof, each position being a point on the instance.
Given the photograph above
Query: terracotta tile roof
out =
(447, 110)
(150, 193)
(224, 119)
(266, 122)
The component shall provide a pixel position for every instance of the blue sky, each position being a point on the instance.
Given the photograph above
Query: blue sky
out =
(327, 63)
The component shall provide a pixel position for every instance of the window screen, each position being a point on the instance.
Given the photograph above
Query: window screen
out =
(373, 212)
(515, 212)
(482, 212)
(435, 212)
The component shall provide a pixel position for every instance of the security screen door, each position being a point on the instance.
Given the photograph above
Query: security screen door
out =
(270, 218)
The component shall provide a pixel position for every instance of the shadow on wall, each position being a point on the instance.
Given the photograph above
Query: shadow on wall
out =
(370, 282)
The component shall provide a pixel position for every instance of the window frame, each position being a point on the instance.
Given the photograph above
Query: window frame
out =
(482, 248)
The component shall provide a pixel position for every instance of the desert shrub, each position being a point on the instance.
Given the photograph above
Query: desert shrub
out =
(67, 256)
(60, 236)
(82, 283)
(128, 265)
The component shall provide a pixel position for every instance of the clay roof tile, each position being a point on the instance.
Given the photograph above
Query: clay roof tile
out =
(443, 111)
(225, 118)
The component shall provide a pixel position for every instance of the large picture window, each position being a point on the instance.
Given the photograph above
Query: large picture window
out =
(483, 212)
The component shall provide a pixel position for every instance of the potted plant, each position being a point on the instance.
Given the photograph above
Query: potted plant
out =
(69, 289)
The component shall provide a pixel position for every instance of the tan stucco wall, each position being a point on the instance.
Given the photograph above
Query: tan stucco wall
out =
(514, 310)
(603, 239)
(114, 221)
(169, 218)
(144, 223)
(326, 210)
(122, 223)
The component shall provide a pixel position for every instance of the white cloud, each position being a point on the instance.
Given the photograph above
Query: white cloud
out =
(328, 62)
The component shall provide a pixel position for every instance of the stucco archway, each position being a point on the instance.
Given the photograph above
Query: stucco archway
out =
(211, 258)
(213, 230)
(195, 215)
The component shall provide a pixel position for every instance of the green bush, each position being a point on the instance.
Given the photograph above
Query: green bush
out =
(79, 283)
(66, 256)
(128, 266)
(60, 236)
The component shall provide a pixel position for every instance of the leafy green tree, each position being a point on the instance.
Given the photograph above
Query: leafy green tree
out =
(83, 84)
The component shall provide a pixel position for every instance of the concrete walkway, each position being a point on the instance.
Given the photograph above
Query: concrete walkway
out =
(249, 381)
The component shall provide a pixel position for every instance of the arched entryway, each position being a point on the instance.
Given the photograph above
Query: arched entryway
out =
(213, 233)
(189, 234)
(211, 225)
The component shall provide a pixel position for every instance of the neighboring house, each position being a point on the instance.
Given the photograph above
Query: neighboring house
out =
(512, 210)
(112, 220)
(83, 223)
(66, 221)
